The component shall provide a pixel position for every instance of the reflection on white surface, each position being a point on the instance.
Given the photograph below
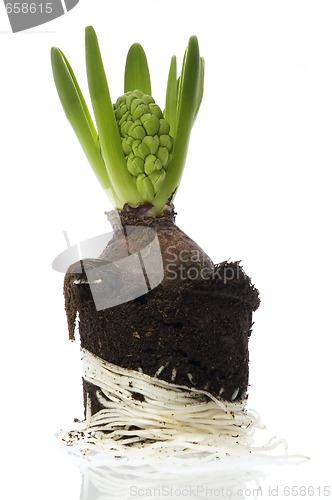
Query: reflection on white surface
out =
(228, 479)
(144, 481)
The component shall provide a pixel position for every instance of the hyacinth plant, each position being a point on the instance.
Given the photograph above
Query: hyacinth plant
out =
(136, 150)
(153, 301)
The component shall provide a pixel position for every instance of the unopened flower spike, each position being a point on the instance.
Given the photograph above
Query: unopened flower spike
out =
(136, 150)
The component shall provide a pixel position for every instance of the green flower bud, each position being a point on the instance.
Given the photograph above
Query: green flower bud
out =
(140, 149)
(135, 103)
(125, 126)
(129, 97)
(166, 142)
(124, 118)
(164, 127)
(150, 123)
(120, 112)
(135, 165)
(155, 110)
(157, 178)
(127, 145)
(145, 140)
(163, 156)
(147, 99)
(136, 131)
(152, 143)
(145, 187)
(139, 110)
(151, 164)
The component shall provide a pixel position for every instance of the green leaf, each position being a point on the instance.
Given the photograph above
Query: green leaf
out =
(171, 97)
(81, 97)
(122, 180)
(200, 86)
(187, 102)
(137, 75)
(78, 114)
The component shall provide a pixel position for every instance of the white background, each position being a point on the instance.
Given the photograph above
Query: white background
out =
(256, 188)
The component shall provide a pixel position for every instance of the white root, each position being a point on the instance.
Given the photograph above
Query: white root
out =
(169, 421)
(235, 394)
(168, 418)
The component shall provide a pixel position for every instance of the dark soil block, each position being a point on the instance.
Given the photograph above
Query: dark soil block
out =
(191, 329)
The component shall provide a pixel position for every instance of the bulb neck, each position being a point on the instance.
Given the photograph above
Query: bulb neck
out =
(140, 216)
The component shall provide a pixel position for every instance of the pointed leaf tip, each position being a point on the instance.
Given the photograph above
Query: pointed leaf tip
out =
(137, 74)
